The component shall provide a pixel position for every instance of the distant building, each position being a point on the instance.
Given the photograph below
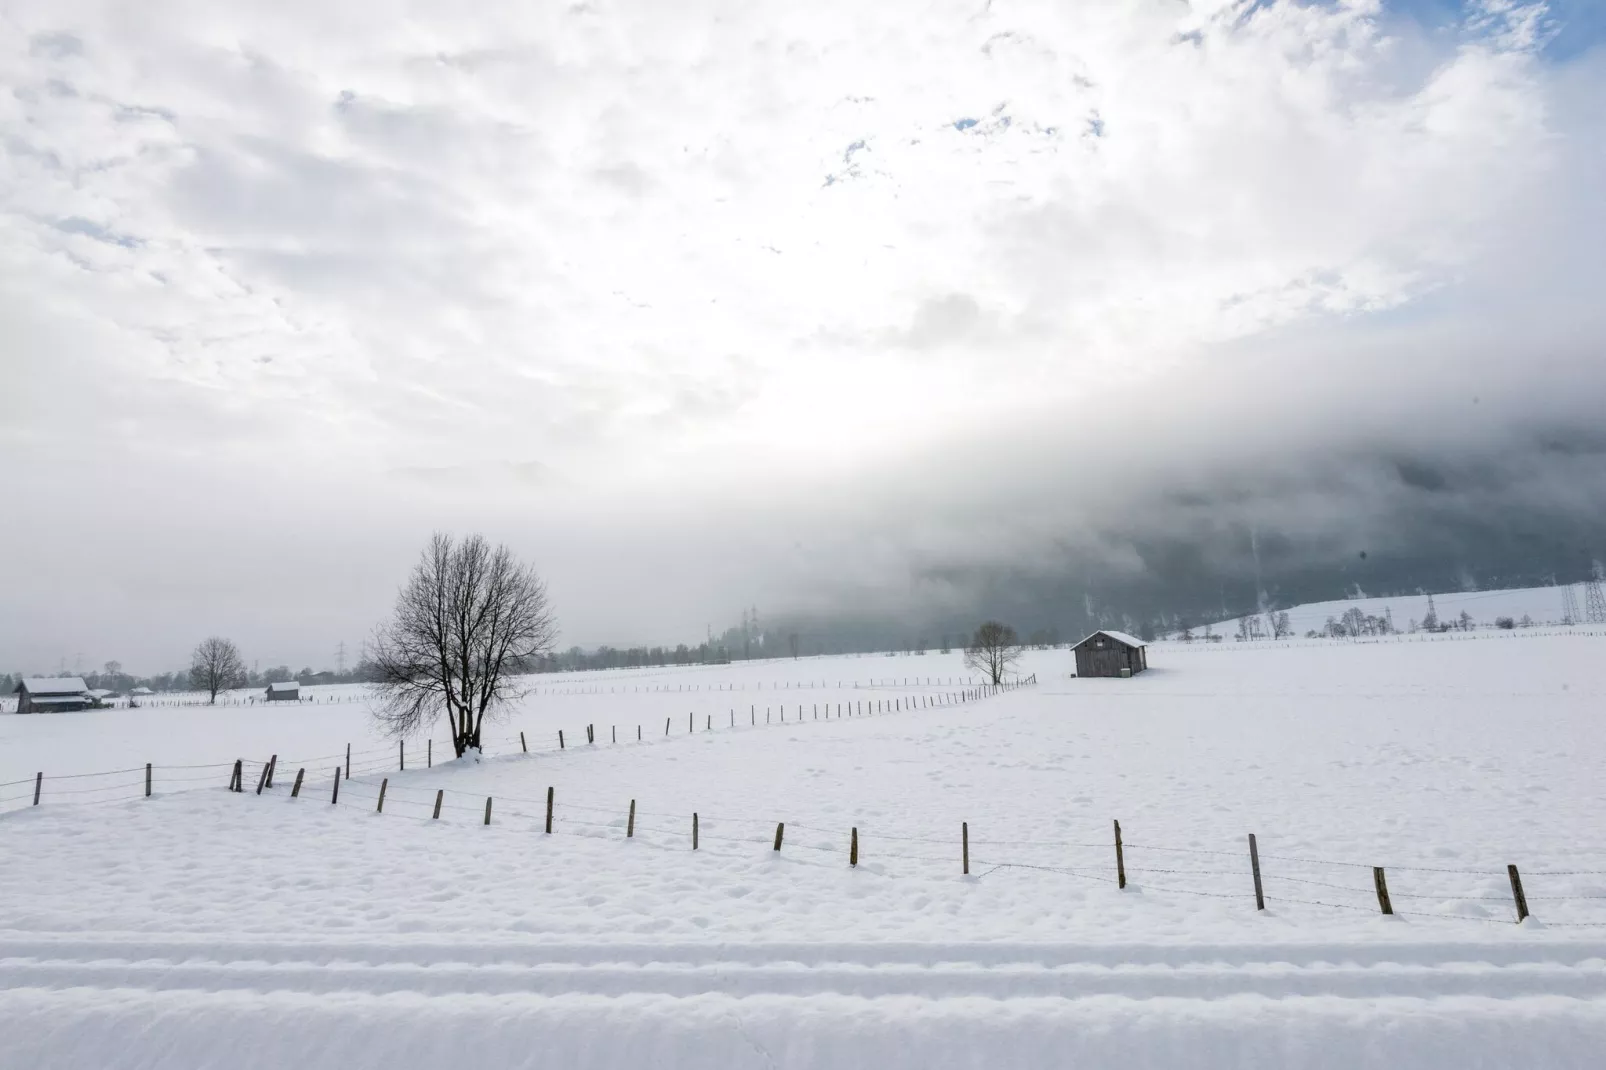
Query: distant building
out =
(1110, 653)
(100, 698)
(288, 691)
(61, 694)
(141, 692)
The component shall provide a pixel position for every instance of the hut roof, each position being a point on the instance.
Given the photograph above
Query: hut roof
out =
(284, 685)
(1120, 637)
(52, 685)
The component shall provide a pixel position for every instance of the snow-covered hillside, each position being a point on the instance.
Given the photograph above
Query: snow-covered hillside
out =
(1543, 606)
(202, 925)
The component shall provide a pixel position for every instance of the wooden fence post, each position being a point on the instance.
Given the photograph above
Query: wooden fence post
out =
(295, 789)
(273, 767)
(638, 733)
(147, 780)
(1120, 859)
(335, 798)
(429, 753)
(348, 761)
(1254, 866)
(1516, 893)
(630, 825)
(487, 809)
(615, 729)
(239, 775)
(525, 747)
(560, 739)
(1382, 885)
(964, 845)
(262, 778)
(780, 832)
(666, 725)
(694, 830)
(549, 811)
(38, 785)
(853, 848)
(383, 784)
(691, 723)
(440, 796)
(402, 755)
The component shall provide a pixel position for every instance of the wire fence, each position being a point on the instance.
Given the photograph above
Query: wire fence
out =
(1235, 879)
(144, 781)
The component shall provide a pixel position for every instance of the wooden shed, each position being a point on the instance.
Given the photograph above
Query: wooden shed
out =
(58, 694)
(285, 691)
(1110, 653)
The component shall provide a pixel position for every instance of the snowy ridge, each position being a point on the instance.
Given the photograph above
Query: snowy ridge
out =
(755, 1005)
(1544, 606)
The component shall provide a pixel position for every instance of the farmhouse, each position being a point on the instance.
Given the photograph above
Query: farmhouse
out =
(1110, 653)
(285, 691)
(62, 694)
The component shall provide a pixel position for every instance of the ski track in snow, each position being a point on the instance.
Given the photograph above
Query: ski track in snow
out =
(203, 927)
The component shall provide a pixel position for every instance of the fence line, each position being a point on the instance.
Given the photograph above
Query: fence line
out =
(654, 829)
(386, 756)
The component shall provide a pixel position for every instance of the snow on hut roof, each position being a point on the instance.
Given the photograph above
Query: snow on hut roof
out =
(53, 685)
(99, 692)
(1119, 637)
(142, 691)
(284, 685)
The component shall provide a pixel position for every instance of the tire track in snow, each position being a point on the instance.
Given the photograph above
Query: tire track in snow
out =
(858, 971)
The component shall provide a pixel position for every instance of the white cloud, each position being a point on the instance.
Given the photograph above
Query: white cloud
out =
(639, 245)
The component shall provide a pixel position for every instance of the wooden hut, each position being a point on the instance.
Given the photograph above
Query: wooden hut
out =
(59, 694)
(1110, 653)
(285, 691)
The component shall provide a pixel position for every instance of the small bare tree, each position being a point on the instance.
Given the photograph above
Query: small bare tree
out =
(465, 618)
(993, 650)
(216, 666)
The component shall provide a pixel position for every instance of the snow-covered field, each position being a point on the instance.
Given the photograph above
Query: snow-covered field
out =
(203, 927)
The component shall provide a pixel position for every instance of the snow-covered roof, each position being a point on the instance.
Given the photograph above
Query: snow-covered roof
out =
(284, 685)
(142, 691)
(99, 692)
(53, 685)
(1119, 637)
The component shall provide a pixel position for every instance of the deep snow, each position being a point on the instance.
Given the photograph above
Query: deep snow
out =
(164, 932)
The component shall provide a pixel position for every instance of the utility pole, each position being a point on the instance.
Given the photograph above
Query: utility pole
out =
(340, 658)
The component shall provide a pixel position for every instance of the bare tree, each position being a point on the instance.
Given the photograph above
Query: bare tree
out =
(792, 641)
(465, 618)
(216, 666)
(993, 650)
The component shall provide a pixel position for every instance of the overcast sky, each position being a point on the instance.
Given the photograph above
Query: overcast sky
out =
(813, 306)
